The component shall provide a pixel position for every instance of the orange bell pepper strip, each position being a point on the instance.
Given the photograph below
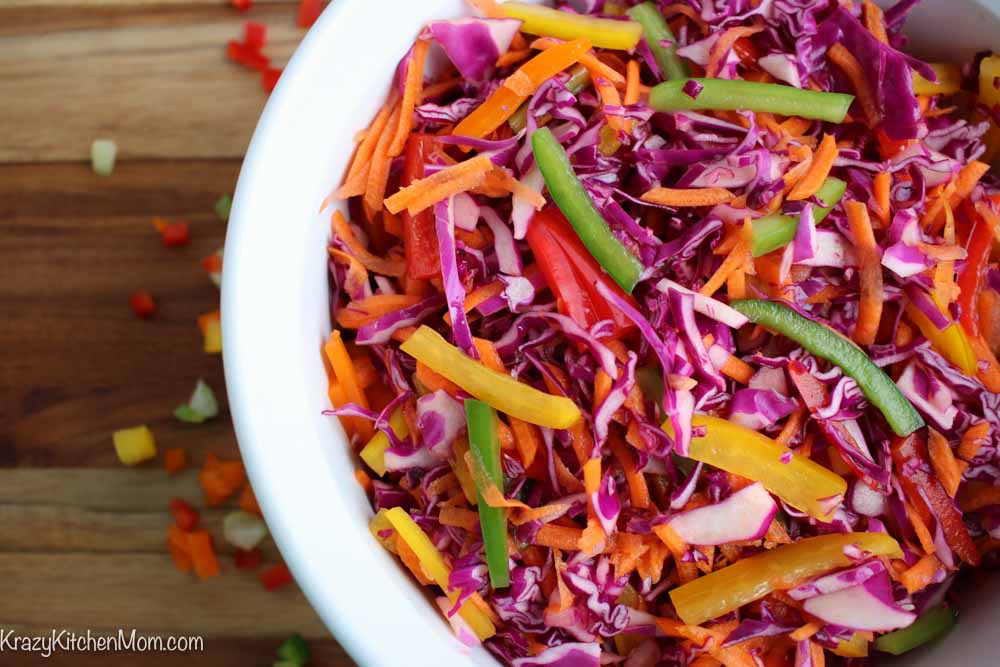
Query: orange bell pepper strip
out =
(752, 578)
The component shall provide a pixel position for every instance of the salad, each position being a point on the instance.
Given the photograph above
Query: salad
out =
(665, 332)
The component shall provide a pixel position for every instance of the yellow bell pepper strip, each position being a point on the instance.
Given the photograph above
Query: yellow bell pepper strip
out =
(485, 448)
(373, 453)
(933, 624)
(949, 80)
(433, 564)
(855, 647)
(656, 30)
(518, 87)
(572, 199)
(951, 341)
(134, 445)
(752, 578)
(498, 389)
(735, 95)
(801, 482)
(602, 33)
(989, 95)
(378, 525)
(828, 344)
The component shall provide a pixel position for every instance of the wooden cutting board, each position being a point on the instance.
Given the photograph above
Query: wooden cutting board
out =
(82, 537)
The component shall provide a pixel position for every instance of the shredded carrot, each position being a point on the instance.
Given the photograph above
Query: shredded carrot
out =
(343, 369)
(357, 175)
(825, 294)
(594, 65)
(736, 284)
(709, 640)
(689, 12)
(881, 186)
(434, 382)
(819, 169)
(638, 490)
(602, 387)
(625, 550)
(459, 517)
(870, 304)
(558, 537)
(717, 54)
(343, 231)
(380, 163)
(478, 295)
(805, 632)
(688, 197)
(502, 179)
(364, 481)
(632, 82)
(875, 21)
(445, 183)
(439, 88)
(974, 437)
(920, 528)
(358, 313)
(527, 439)
(921, 574)
(737, 369)
(512, 57)
(943, 460)
(791, 427)
(609, 98)
(686, 570)
(357, 275)
(411, 94)
(846, 61)
(505, 100)
(736, 259)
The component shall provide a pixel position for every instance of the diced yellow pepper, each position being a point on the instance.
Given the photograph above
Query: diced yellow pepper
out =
(752, 578)
(951, 341)
(801, 482)
(855, 647)
(949, 80)
(134, 445)
(213, 337)
(374, 452)
(602, 33)
(498, 389)
(433, 564)
(989, 95)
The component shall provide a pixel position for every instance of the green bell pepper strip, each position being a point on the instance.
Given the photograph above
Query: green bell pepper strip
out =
(295, 650)
(485, 448)
(734, 95)
(776, 231)
(656, 31)
(578, 79)
(572, 199)
(826, 343)
(933, 624)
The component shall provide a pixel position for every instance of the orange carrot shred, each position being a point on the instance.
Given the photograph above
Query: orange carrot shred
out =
(343, 368)
(381, 161)
(846, 61)
(689, 12)
(343, 231)
(963, 184)
(724, 43)
(875, 21)
(805, 632)
(974, 437)
(449, 181)
(870, 305)
(943, 461)
(736, 259)
(609, 98)
(632, 82)
(921, 574)
(357, 174)
(920, 528)
(881, 186)
(512, 57)
(819, 169)
(459, 517)
(594, 65)
(411, 94)
(488, 8)
(688, 197)
(360, 312)
(638, 490)
(558, 537)
(790, 428)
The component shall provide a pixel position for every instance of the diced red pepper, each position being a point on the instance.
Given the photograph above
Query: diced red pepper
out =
(928, 496)
(185, 516)
(419, 235)
(176, 234)
(212, 263)
(309, 11)
(142, 303)
(269, 78)
(242, 5)
(247, 559)
(174, 460)
(573, 274)
(254, 35)
(275, 577)
(243, 54)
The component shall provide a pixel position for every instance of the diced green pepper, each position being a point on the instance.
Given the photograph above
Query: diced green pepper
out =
(734, 95)
(776, 231)
(188, 415)
(826, 343)
(572, 199)
(222, 207)
(295, 650)
(485, 448)
(933, 624)
(656, 31)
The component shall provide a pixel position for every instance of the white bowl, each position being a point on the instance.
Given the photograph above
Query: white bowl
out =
(275, 319)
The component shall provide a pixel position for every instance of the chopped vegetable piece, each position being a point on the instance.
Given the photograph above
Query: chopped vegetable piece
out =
(247, 560)
(275, 577)
(989, 96)
(211, 331)
(174, 460)
(752, 578)
(776, 231)
(199, 544)
(826, 343)
(572, 199)
(295, 650)
(242, 5)
(185, 516)
(134, 445)
(499, 390)
(141, 303)
(603, 33)
(949, 80)
(373, 453)
(432, 563)
(248, 501)
(485, 450)
(309, 11)
(220, 479)
(176, 234)
(735, 95)
(660, 39)
(578, 79)
(950, 340)
(102, 156)
(419, 236)
(223, 206)
(243, 530)
(799, 481)
(933, 624)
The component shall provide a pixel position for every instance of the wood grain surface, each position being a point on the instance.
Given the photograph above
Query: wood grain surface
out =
(82, 539)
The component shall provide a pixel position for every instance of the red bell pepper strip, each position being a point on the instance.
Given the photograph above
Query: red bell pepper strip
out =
(275, 577)
(419, 236)
(970, 281)
(572, 273)
(185, 516)
(928, 496)
(142, 303)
